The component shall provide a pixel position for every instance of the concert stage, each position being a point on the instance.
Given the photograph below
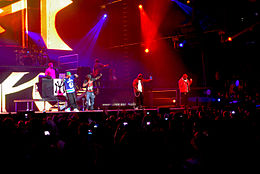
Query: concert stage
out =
(99, 114)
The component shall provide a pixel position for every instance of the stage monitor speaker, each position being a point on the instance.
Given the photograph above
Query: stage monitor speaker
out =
(45, 87)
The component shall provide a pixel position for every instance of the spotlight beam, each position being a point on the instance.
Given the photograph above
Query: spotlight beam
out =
(88, 42)
(244, 31)
(185, 8)
(205, 20)
(37, 38)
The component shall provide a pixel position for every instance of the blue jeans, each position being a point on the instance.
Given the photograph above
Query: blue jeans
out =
(90, 100)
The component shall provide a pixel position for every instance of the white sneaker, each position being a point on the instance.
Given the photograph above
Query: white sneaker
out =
(67, 110)
(76, 110)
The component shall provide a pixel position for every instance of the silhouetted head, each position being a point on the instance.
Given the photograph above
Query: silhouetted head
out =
(88, 76)
(97, 60)
(185, 76)
(50, 65)
(140, 76)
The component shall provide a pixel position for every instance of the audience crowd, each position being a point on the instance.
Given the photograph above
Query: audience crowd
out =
(186, 140)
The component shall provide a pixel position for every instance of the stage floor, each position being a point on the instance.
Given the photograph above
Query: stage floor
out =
(158, 110)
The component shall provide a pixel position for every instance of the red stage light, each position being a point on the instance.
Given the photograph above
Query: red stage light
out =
(229, 39)
(146, 50)
(140, 6)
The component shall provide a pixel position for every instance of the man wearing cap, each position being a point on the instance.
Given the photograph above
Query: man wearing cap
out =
(90, 96)
(139, 89)
(184, 86)
(70, 91)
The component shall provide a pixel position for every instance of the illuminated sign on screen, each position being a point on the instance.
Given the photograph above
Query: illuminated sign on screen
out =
(9, 87)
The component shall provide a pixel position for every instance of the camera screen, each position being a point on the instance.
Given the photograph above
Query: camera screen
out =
(47, 133)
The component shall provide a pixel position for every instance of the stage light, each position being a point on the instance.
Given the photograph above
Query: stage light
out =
(208, 92)
(237, 83)
(146, 50)
(105, 16)
(174, 101)
(188, 2)
(229, 39)
(140, 6)
(219, 99)
(181, 45)
(1, 11)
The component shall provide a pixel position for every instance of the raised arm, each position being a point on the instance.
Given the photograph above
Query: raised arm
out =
(147, 80)
(85, 84)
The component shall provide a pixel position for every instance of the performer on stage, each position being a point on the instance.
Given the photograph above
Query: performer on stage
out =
(184, 86)
(97, 69)
(139, 89)
(50, 71)
(70, 91)
(90, 96)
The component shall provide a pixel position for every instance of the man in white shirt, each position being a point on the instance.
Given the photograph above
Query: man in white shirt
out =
(138, 90)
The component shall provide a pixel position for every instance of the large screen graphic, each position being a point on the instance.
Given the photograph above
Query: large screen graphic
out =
(48, 11)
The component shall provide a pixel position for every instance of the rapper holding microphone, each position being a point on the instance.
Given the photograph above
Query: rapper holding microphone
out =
(138, 85)
(184, 86)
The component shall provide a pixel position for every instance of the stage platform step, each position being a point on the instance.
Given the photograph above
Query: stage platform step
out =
(93, 112)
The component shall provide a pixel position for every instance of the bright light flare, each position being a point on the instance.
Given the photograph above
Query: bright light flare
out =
(229, 39)
(140, 6)
(146, 50)
(104, 16)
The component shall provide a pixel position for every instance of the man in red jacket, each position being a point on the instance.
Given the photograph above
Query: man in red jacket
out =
(184, 86)
(139, 89)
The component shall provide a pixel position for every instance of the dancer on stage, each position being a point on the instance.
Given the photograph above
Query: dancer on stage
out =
(184, 86)
(90, 96)
(139, 89)
(70, 91)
